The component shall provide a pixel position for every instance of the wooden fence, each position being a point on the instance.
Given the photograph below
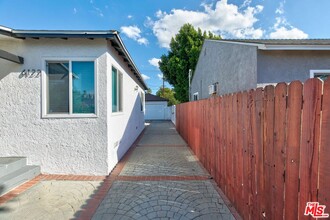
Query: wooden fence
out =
(267, 149)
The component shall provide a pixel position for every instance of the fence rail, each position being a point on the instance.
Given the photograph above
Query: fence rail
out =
(267, 149)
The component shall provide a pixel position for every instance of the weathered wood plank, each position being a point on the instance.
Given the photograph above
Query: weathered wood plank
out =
(259, 108)
(245, 198)
(269, 148)
(293, 149)
(279, 150)
(324, 172)
(310, 140)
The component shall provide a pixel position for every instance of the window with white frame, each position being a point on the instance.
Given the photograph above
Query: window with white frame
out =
(142, 101)
(195, 96)
(117, 84)
(321, 74)
(70, 88)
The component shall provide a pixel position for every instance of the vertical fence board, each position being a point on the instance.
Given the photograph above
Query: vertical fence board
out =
(269, 148)
(309, 149)
(253, 151)
(217, 139)
(279, 149)
(259, 96)
(213, 136)
(245, 156)
(223, 166)
(293, 148)
(234, 149)
(324, 175)
(230, 148)
(240, 203)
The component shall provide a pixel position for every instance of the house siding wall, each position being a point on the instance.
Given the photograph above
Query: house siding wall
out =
(123, 127)
(58, 145)
(233, 66)
(286, 66)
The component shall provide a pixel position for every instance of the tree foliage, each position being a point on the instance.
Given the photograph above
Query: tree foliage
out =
(167, 94)
(149, 91)
(182, 56)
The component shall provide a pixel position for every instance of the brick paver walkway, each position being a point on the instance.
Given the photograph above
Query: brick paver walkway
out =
(162, 180)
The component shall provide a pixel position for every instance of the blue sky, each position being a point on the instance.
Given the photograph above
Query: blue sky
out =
(147, 26)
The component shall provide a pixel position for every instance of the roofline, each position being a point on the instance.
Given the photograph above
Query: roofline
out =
(53, 33)
(262, 46)
(108, 35)
(131, 60)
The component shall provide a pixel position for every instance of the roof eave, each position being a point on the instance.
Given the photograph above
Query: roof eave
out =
(295, 47)
(129, 59)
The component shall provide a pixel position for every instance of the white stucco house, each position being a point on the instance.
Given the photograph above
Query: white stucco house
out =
(71, 101)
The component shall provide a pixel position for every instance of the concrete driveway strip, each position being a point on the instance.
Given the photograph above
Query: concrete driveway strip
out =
(162, 180)
(49, 200)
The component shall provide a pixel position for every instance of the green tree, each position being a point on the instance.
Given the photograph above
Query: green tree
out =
(182, 56)
(168, 94)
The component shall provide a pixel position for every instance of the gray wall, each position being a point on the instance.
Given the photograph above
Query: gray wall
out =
(234, 66)
(286, 66)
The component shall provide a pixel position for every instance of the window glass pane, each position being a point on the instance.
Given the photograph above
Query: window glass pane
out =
(58, 87)
(83, 92)
(114, 91)
(120, 90)
(322, 76)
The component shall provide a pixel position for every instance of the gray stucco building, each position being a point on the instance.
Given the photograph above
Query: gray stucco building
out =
(236, 65)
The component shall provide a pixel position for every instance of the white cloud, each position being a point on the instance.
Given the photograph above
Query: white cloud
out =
(145, 77)
(74, 11)
(134, 33)
(285, 33)
(98, 11)
(282, 29)
(143, 41)
(246, 3)
(129, 16)
(221, 18)
(280, 9)
(154, 62)
(160, 76)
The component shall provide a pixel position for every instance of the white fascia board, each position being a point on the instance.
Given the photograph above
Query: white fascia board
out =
(296, 47)
(6, 28)
(276, 47)
(121, 43)
(239, 43)
(60, 32)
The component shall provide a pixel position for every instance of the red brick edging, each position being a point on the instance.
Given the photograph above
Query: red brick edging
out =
(44, 177)
(92, 205)
(161, 178)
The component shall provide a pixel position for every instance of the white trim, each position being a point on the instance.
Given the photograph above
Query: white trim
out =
(296, 47)
(313, 72)
(265, 46)
(260, 46)
(44, 114)
(120, 94)
(70, 88)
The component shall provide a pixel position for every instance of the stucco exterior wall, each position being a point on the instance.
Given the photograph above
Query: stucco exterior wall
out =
(286, 66)
(233, 66)
(60, 145)
(123, 127)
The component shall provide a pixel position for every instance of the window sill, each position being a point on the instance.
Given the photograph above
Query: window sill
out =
(117, 113)
(65, 116)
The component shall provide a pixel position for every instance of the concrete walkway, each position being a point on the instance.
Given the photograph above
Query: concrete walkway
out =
(162, 180)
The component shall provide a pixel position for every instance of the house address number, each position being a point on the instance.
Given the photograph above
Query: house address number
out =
(31, 73)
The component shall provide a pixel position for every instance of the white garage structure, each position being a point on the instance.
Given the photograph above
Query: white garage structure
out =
(156, 108)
